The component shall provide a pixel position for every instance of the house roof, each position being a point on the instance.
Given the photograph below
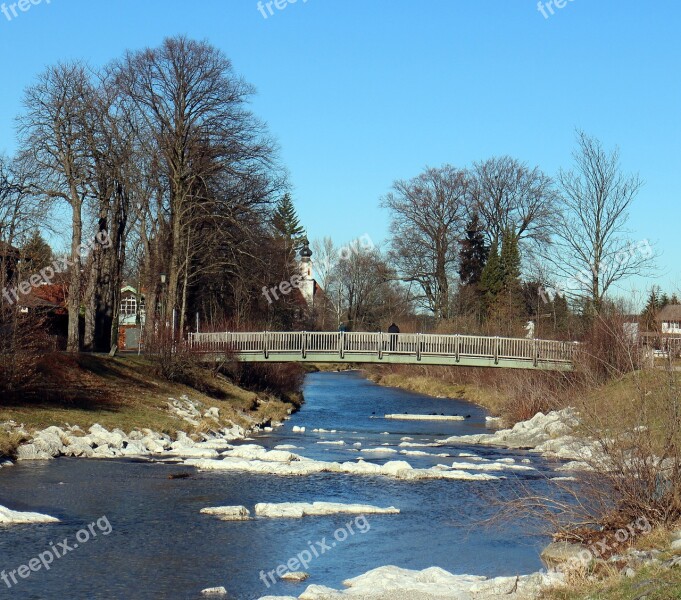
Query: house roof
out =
(671, 312)
(51, 296)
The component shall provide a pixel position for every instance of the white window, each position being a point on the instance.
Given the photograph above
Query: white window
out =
(129, 306)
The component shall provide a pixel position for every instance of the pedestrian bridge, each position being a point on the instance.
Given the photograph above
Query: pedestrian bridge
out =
(402, 348)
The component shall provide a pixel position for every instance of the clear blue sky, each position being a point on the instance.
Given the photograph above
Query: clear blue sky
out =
(360, 93)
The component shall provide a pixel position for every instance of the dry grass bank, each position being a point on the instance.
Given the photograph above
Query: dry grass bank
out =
(648, 584)
(127, 393)
(513, 395)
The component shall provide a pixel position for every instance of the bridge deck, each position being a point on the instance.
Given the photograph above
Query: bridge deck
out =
(403, 348)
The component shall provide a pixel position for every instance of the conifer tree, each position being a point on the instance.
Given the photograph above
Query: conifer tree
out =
(36, 252)
(653, 306)
(286, 222)
(492, 277)
(473, 253)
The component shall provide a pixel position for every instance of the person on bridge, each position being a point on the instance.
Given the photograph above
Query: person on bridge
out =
(393, 330)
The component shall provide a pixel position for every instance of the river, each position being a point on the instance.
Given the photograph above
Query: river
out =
(161, 547)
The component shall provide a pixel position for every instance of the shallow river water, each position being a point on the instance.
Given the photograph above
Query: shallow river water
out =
(161, 547)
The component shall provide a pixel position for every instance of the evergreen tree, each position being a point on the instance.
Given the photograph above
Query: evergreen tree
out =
(510, 304)
(286, 223)
(36, 253)
(510, 263)
(473, 253)
(653, 306)
(492, 276)
(561, 314)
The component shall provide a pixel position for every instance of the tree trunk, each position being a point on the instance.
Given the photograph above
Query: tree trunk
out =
(73, 304)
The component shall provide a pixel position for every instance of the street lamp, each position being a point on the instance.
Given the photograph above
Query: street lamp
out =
(164, 278)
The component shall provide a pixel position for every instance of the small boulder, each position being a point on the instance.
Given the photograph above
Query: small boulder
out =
(215, 591)
(295, 576)
(559, 553)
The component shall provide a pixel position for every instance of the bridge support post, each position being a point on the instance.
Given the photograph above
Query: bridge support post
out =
(304, 344)
(457, 347)
(419, 341)
(380, 346)
(535, 353)
(266, 345)
(496, 350)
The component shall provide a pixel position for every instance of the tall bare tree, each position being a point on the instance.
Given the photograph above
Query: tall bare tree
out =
(52, 131)
(592, 244)
(192, 110)
(427, 220)
(510, 196)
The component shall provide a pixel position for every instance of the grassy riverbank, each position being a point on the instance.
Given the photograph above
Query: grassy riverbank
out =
(648, 584)
(511, 394)
(126, 392)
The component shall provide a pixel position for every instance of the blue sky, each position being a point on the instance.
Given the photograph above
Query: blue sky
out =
(360, 93)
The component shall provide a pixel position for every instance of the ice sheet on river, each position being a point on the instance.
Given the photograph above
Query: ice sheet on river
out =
(297, 510)
(394, 583)
(256, 459)
(13, 517)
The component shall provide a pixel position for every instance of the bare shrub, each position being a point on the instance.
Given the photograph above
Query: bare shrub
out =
(608, 350)
(23, 342)
(284, 380)
(629, 432)
(173, 359)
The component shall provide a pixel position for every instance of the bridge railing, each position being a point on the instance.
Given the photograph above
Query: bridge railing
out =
(349, 344)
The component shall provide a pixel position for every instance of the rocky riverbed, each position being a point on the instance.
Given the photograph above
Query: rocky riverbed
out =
(358, 449)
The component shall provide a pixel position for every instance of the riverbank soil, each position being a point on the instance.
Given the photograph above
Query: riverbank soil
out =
(126, 392)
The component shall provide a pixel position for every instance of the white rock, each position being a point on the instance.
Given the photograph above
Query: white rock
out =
(297, 429)
(295, 576)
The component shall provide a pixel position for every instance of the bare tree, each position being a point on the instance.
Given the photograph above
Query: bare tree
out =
(52, 133)
(427, 219)
(592, 245)
(20, 212)
(510, 196)
(212, 153)
(368, 295)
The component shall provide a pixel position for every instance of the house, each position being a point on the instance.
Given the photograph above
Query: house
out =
(131, 318)
(670, 319)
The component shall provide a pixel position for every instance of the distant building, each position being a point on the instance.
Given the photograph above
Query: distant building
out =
(669, 319)
(131, 318)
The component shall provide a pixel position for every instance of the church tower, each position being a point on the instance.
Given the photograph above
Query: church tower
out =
(307, 284)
